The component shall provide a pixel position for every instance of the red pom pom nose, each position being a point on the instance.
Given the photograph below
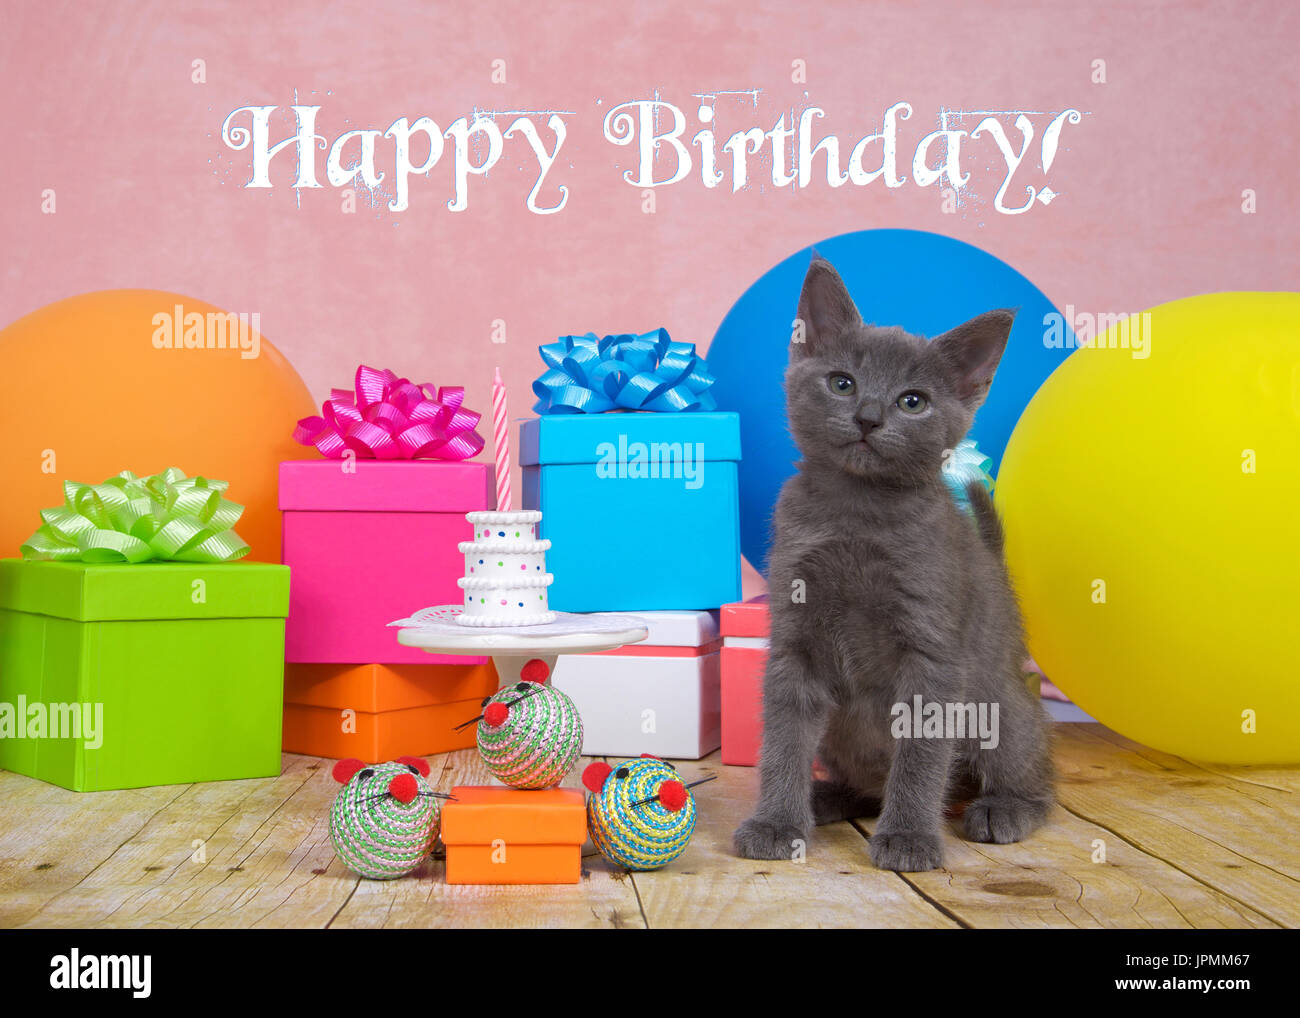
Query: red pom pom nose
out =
(403, 787)
(496, 714)
(672, 794)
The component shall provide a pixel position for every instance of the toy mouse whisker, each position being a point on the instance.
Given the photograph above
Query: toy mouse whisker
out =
(511, 703)
(518, 699)
(655, 797)
(436, 795)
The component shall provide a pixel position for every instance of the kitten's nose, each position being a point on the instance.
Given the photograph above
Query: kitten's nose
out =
(870, 415)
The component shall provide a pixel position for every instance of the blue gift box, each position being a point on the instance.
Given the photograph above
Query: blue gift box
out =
(642, 509)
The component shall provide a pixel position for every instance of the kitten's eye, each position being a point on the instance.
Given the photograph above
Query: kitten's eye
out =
(912, 402)
(522, 687)
(413, 769)
(369, 772)
(841, 384)
(622, 772)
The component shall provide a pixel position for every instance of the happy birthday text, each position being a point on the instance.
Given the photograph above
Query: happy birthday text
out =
(666, 148)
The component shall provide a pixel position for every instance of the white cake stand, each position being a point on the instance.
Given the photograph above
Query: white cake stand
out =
(436, 630)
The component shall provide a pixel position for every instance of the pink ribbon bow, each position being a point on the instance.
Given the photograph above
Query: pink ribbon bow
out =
(392, 418)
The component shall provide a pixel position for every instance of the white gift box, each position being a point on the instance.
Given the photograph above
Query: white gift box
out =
(661, 696)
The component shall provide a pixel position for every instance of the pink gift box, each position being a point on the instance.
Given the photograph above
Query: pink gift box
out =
(370, 541)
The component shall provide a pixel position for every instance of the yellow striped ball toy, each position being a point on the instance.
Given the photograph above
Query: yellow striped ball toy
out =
(640, 815)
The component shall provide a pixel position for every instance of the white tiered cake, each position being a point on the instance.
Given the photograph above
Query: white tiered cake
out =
(505, 577)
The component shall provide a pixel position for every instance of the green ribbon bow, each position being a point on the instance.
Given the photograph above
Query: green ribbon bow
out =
(137, 519)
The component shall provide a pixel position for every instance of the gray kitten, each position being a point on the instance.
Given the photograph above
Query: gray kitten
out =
(902, 596)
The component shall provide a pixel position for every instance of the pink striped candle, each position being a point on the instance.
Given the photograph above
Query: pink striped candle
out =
(501, 432)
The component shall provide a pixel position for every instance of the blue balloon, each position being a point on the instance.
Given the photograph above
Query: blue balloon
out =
(925, 282)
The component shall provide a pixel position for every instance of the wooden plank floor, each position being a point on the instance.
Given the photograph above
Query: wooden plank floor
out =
(1184, 845)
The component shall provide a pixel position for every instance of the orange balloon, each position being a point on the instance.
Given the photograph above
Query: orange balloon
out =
(143, 380)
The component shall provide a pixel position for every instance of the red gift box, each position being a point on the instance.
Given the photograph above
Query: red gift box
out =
(744, 627)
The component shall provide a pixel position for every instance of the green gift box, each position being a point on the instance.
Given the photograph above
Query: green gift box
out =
(156, 673)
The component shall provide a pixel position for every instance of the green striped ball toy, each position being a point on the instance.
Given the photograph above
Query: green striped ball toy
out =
(375, 834)
(537, 738)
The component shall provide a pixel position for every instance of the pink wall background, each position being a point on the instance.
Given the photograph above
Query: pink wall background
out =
(98, 104)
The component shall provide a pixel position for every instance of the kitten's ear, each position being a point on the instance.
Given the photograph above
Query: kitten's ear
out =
(972, 352)
(825, 308)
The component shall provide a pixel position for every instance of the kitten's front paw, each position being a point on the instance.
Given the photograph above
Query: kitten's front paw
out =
(906, 851)
(760, 839)
(1003, 818)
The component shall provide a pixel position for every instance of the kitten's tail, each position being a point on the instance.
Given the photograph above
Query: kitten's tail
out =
(986, 517)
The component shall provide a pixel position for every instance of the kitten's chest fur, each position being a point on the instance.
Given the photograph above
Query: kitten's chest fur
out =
(882, 574)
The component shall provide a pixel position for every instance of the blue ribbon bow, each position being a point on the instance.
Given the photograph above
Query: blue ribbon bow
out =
(587, 375)
(966, 464)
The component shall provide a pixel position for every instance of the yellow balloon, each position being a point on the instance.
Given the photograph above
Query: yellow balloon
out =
(1151, 498)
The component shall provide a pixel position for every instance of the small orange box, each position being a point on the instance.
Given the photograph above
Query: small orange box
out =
(375, 688)
(513, 836)
(395, 710)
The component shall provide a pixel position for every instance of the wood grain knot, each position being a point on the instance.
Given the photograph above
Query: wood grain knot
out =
(1021, 889)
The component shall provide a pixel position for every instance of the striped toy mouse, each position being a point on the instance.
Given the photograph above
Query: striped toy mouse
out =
(640, 815)
(385, 817)
(530, 733)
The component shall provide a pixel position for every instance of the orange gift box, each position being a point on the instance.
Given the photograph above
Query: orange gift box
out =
(513, 836)
(391, 710)
(374, 688)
